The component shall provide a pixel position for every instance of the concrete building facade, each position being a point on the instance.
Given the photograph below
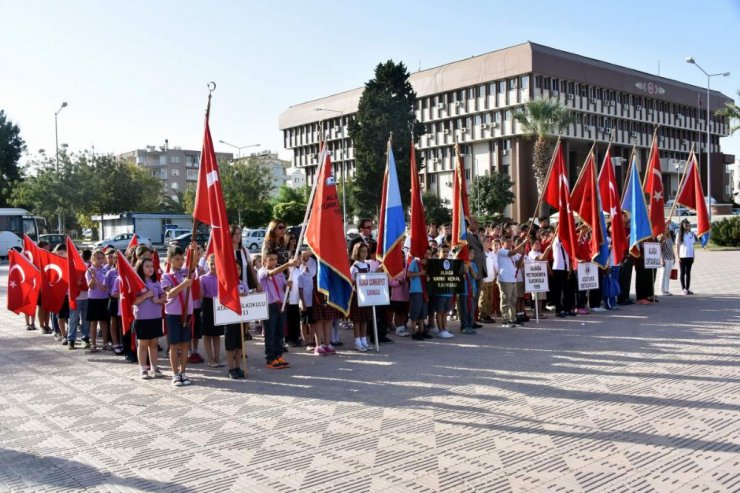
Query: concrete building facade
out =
(473, 101)
(278, 167)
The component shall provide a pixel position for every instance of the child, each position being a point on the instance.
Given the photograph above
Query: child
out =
(257, 265)
(305, 304)
(466, 300)
(442, 304)
(78, 317)
(398, 315)
(178, 310)
(211, 333)
(63, 315)
(537, 255)
(360, 315)
(41, 314)
(136, 254)
(194, 357)
(418, 296)
(148, 319)
(273, 283)
(97, 302)
(233, 341)
(112, 341)
(293, 311)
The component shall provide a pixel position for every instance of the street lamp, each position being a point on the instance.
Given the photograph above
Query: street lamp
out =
(56, 140)
(239, 148)
(709, 168)
(344, 162)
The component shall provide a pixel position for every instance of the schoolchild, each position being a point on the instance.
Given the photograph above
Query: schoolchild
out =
(360, 316)
(63, 315)
(211, 333)
(233, 341)
(419, 296)
(273, 282)
(78, 317)
(97, 303)
(442, 304)
(111, 338)
(178, 309)
(148, 319)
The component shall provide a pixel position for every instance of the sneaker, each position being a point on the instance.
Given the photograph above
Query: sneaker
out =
(31, 327)
(212, 364)
(667, 293)
(320, 351)
(402, 332)
(86, 344)
(330, 350)
(274, 365)
(581, 311)
(477, 325)
(193, 358)
(233, 374)
(144, 375)
(386, 340)
(185, 380)
(282, 362)
(337, 343)
(418, 336)
(507, 325)
(130, 358)
(688, 291)
(177, 380)
(155, 373)
(45, 330)
(571, 314)
(64, 341)
(598, 309)
(360, 348)
(521, 320)
(241, 373)
(311, 347)
(550, 308)
(468, 331)
(118, 349)
(427, 335)
(445, 334)
(71, 345)
(562, 314)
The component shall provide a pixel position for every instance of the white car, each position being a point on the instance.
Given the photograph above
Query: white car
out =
(253, 239)
(121, 241)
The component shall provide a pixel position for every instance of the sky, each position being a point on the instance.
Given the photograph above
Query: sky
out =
(134, 73)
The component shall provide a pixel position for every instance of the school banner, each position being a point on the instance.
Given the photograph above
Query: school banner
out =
(535, 277)
(372, 289)
(588, 276)
(446, 276)
(651, 250)
(254, 307)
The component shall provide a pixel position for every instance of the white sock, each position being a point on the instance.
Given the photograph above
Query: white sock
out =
(364, 341)
(358, 341)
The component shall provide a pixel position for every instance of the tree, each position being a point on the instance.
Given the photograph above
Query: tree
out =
(288, 194)
(386, 105)
(12, 147)
(291, 213)
(539, 119)
(437, 210)
(246, 186)
(174, 204)
(731, 111)
(490, 194)
(188, 201)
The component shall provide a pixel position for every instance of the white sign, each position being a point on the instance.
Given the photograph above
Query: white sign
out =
(535, 277)
(652, 255)
(588, 276)
(254, 307)
(372, 289)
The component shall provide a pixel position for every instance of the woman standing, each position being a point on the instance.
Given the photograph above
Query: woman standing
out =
(686, 241)
(668, 258)
(276, 242)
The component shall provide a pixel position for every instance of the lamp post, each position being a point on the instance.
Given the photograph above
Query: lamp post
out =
(239, 148)
(344, 163)
(56, 141)
(709, 168)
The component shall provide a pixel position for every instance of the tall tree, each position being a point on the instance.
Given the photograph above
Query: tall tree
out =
(386, 105)
(539, 120)
(174, 204)
(437, 210)
(11, 148)
(490, 194)
(731, 111)
(247, 186)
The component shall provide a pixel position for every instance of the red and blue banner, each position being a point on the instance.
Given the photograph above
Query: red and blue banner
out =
(391, 224)
(634, 203)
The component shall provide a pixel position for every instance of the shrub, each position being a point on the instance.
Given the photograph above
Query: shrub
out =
(726, 232)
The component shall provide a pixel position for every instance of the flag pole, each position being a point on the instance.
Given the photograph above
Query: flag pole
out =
(547, 178)
(650, 155)
(681, 182)
(629, 167)
(306, 215)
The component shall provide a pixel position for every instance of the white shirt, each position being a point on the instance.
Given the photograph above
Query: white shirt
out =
(491, 266)
(506, 266)
(293, 297)
(560, 259)
(686, 250)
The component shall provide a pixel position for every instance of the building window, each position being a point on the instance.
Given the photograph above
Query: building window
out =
(512, 84)
(538, 82)
(162, 159)
(192, 175)
(525, 82)
(175, 172)
(501, 86)
(175, 186)
(482, 91)
(175, 159)
(140, 160)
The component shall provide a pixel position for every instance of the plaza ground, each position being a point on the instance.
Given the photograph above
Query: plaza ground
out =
(643, 399)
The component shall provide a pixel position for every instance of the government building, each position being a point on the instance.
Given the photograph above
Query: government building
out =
(473, 101)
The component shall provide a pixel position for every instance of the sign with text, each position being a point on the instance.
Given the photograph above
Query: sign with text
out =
(588, 276)
(651, 250)
(535, 277)
(254, 307)
(372, 289)
(446, 276)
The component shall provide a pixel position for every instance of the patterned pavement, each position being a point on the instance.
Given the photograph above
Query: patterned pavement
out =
(646, 399)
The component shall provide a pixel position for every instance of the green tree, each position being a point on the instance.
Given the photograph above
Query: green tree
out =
(539, 120)
(291, 213)
(188, 200)
(386, 106)
(437, 210)
(490, 194)
(174, 204)
(246, 186)
(288, 194)
(731, 111)
(11, 148)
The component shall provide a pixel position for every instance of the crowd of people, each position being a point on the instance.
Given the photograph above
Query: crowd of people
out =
(176, 306)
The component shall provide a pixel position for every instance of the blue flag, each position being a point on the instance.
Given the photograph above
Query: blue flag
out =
(634, 203)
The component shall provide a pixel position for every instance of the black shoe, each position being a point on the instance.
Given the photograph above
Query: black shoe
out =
(571, 314)
(427, 335)
(418, 337)
(45, 330)
(130, 357)
(337, 343)
(295, 344)
(234, 373)
(31, 327)
(476, 325)
(386, 340)
(520, 320)
(488, 320)
(247, 336)
(71, 345)
(562, 314)
(240, 372)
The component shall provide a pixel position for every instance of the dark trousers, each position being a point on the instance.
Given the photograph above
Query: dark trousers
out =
(684, 266)
(294, 324)
(563, 290)
(625, 278)
(381, 314)
(274, 332)
(643, 282)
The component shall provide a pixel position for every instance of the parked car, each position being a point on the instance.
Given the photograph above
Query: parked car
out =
(121, 241)
(53, 240)
(253, 239)
(680, 211)
(183, 241)
(174, 233)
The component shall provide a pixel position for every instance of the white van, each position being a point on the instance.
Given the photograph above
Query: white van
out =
(14, 223)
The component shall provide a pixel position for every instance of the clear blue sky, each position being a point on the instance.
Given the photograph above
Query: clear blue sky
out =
(135, 72)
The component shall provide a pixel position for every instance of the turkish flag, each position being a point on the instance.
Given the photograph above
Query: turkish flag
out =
(417, 230)
(55, 281)
(611, 202)
(557, 194)
(76, 269)
(131, 285)
(30, 250)
(653, 186)
(133, 243)
(460, 209)
(157, 265)
(210, 209)
(691, 195)
(24, 282)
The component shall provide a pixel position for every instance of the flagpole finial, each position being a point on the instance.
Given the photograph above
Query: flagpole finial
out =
(211, 87)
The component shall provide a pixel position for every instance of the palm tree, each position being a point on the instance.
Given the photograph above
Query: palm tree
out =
(539, 119)
(731, 111)
(174, 204)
